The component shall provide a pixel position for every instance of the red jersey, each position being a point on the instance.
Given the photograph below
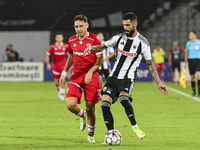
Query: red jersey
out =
(82, 63)
(58, 54)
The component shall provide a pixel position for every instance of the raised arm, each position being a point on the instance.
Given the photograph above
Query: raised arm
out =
(154, 74)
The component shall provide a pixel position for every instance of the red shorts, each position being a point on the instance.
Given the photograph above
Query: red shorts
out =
(57, 72)
(160, 67)
(77, 85)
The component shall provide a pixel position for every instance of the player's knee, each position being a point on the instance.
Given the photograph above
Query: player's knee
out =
(123, 99)
(90, 111)
(105, 104)
(70, 106)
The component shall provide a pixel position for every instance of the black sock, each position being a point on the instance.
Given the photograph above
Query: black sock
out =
(193, 86)
(129, 111)
(107, 115)
(199, 86)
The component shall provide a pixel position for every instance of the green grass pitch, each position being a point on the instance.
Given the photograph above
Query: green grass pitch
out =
(31, 117)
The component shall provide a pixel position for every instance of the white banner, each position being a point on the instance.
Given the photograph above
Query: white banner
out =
(21, 71)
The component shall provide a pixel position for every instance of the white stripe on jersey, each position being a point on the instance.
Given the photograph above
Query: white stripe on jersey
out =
(59, 53)
(129, 54)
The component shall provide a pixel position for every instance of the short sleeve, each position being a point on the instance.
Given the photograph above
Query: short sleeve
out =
(170, 52)
(113, 41)
(50, 51)
(187, 46)
(70, 51)
(146, 51)
(67, 49)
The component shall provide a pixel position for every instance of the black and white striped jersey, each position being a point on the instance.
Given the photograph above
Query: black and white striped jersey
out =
(129, 53)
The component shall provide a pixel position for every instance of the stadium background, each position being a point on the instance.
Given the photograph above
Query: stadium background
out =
(31, 25)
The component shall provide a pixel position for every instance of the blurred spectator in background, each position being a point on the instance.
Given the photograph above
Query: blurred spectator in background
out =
(107, 54)
(195, 9)
(159, 59)
(59, 51)
(175, 59)
(192, 55)
(11, 55)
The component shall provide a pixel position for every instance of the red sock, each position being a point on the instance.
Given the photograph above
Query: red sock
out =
(91, 130)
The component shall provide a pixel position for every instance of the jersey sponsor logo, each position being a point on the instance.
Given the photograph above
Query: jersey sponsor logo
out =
(108, 90)
(105, 89)
(126, 53)
(81, 53)
(134, 46)
(88, 44)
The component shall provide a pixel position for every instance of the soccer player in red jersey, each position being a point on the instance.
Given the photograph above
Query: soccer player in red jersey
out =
(58, 51)
(85, 74)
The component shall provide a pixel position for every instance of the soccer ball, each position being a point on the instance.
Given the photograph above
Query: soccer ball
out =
(113, 137)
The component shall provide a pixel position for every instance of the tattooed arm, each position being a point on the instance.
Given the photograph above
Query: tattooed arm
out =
(152, 70)
(95, 48)
(154, 74)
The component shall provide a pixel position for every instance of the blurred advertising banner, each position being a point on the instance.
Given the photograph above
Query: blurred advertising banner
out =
(21, 71)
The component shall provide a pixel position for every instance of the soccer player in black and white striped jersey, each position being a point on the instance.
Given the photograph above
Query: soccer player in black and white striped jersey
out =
(131, 47)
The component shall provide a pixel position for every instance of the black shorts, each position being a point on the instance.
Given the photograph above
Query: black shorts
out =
(114, 87)
(176, 65)
(194, 65)
(106, 73)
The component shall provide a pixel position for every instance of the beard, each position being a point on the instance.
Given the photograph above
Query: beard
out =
(131, 33)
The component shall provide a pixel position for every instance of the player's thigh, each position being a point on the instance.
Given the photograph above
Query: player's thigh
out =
(173, 67)
(125, 87)
(192, 66)
(74, 90)
(110, 89)
(179, 67)
(197, 62)
(92, 90)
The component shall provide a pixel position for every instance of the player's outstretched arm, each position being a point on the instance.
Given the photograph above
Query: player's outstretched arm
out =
(95, 48)
(154, 74)
(67, 67)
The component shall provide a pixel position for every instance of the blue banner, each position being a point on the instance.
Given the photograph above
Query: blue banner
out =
(143, 73)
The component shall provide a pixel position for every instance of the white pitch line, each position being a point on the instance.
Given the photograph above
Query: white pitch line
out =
(187, 95)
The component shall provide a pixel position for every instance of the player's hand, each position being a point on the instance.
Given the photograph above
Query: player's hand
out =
(170, 63)
(88, 49)
(163, 89)
(88, 77)
(62, 79)
(48, 66)
(185, 65)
